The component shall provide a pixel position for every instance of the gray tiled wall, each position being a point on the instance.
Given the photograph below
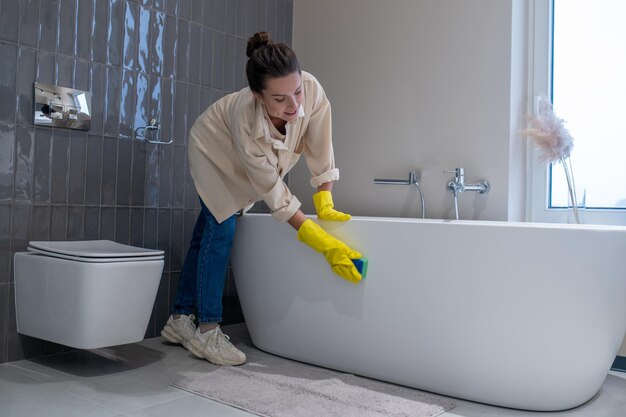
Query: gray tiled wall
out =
(141, 59)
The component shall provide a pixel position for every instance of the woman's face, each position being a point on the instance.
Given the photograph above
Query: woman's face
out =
(283, 96)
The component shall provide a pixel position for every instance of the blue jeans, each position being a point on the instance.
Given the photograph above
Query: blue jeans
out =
(203, 274)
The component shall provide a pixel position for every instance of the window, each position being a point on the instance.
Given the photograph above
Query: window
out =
(579, 58)
(588, 89)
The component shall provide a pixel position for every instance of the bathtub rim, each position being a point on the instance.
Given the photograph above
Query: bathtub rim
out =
(464, 222)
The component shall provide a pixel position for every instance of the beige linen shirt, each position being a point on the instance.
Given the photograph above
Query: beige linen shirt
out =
(237, 157)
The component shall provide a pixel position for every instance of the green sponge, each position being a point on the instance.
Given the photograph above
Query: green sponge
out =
(361, 266)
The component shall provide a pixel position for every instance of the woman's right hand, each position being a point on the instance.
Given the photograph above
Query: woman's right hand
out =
(337, 253)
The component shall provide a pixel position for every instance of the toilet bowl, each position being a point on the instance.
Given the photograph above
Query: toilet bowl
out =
(86, 294)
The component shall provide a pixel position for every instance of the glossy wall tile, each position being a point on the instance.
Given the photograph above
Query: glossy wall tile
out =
(140, 59)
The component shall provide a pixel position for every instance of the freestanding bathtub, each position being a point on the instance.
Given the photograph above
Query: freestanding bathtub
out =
(521, 315)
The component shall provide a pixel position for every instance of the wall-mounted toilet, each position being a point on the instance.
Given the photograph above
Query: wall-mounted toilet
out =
(86, 294)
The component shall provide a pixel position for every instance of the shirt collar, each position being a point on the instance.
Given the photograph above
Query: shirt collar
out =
(277, 144)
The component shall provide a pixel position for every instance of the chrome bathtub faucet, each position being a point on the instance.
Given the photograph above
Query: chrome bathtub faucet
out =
(457, 185)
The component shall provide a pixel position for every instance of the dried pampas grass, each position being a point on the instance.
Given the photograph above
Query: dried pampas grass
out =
(549, 134)
(555, 144)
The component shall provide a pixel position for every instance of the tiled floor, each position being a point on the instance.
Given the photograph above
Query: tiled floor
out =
(134, 380)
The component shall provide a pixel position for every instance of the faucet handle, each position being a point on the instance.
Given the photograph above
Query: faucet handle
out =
(455, 171)
(459, 174)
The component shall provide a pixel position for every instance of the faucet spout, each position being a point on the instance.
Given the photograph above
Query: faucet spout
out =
(412, 180)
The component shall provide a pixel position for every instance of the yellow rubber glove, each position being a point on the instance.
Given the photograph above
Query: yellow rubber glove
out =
(323, 201)
(337, 253)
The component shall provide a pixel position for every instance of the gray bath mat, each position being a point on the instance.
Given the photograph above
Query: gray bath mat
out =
(272, 386)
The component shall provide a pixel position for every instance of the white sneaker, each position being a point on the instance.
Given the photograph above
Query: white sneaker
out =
(180, 330)
(215, 347)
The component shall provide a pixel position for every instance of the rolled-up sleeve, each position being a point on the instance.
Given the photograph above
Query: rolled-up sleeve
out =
(265, 180)
(318, 148)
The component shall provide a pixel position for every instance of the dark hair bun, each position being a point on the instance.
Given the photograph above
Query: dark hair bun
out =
(256, 41)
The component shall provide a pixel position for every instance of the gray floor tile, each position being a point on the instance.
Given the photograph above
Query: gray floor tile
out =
(190, 406)
(24, 396)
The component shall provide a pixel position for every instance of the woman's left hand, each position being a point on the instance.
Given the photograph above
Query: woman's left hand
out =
(323, 201)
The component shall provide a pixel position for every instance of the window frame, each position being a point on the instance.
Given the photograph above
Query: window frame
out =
(539, 83)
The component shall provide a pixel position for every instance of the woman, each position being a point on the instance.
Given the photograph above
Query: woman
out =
(240, 149)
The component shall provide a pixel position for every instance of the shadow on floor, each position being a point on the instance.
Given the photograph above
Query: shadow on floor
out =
(104, 361)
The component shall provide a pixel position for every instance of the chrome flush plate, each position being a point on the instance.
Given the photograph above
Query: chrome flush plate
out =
(57, 106)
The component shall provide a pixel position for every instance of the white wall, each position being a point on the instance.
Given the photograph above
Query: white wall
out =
(419, 84)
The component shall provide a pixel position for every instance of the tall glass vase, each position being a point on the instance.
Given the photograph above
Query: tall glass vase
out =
(576, 213)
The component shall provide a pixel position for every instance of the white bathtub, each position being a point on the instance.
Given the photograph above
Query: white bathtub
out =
(519, 315)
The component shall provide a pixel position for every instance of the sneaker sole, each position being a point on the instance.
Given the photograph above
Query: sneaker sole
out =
(223, 362)
(215, 361)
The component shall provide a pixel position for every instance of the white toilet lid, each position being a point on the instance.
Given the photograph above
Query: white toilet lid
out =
(94, 251)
